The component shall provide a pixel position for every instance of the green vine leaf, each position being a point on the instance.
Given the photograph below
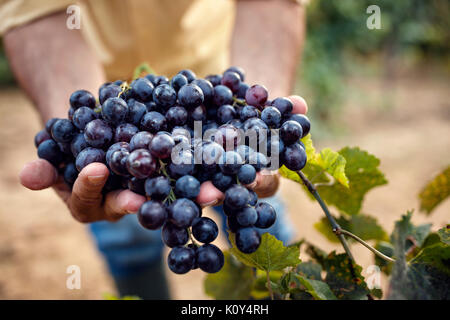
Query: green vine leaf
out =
(271, 254)
(435, 191)
(234, 281)
(424, 277)
(444, 234)
(310, 270)
(363, 175)
(364, 226)
(318, 289)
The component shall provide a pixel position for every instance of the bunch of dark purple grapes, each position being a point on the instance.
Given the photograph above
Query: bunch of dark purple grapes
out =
(162, 138)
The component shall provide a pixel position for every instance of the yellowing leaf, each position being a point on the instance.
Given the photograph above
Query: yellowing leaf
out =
(435, 192)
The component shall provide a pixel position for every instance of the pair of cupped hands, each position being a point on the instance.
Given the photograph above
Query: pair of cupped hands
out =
(87, 203)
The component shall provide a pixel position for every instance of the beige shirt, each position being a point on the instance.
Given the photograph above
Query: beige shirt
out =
(167, 34)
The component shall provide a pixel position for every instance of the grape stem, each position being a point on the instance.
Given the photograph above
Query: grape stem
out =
(368, 246)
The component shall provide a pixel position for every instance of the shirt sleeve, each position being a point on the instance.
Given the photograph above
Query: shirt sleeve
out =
(15, 13)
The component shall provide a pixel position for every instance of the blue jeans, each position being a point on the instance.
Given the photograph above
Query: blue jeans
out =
(128, 248)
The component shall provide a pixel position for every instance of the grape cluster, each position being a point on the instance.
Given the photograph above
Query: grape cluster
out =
(146, 134)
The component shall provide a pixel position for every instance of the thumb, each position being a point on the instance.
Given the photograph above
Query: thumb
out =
(87, 189)
(38, 174)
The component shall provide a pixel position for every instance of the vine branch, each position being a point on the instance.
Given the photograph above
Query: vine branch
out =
(269, 285)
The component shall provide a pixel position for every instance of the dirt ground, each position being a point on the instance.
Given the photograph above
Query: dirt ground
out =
(39, 239)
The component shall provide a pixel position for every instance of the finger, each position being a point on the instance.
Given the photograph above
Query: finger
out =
(38, 174)
(121, 202)
(267, 183)
(209, 195)
(87, 192)
(300, 105)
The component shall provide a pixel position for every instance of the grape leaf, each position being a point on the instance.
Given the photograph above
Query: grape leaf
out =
(363, 175)
(364, 226)
(333, 163)
(444, 234)
(387, 249)
(271, 254)
(435, 191)
(318, 289)
(426, 276)
(234, 281)
(340, 279)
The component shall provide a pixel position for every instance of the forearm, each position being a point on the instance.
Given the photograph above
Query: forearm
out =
(50, 62)
(267, 41)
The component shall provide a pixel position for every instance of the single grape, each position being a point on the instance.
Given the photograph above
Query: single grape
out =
(141, 164)
(291, 132)
(190, 96)
(205, 230)
(115, 111)
(189, 74)
(232, 80)
(210, 258)
(153, 122)
(187, 187)
(231, 162)
(256, 131)
(243, 87)
(222, 95)
(159, 80)
(141, 140)
(266, 215)
(253, 198)
(248, 240)
(238, 70)
(237, 197)
(88, 156)
(181, 259)
(49, 124)
(272, 117)
(222, 181)
(228, 136)
(63, 131)
(182, 212)
(246, 174)
(151, 77)
(284, 105)
(182, 164)
(40, 137)
(164, 96)
(176, 116)
(124, 132)
(82, 98)
(78, 143)
(82, 116)
(248, 112)
(302, 120)
(136, 111)
(141, 89)
(114, 147)
(178, 81)
(152, 214)
(70, 174)
(256, 95)
(50, 151)
(109, 91)
(161, 146)
(136, 185)
(207, 88)
(157, 188)
(294, 157)
(246, 216)
(215, 79)
(226, 113)
(197, 114)
(98, 133)
(118, 162)
(173, 236)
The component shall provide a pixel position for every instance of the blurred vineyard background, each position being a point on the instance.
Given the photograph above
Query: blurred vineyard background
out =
(384, 90)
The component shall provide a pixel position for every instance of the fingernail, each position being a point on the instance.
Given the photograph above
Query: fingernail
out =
(209, 204)
(252, 185)
(96, 180)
